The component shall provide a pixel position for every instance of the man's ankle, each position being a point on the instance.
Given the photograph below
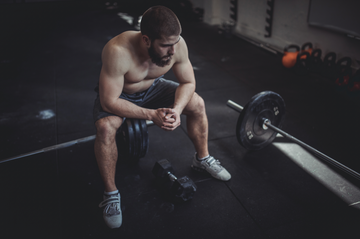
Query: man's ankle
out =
(203, 158)
(110, 189)
(111, 192)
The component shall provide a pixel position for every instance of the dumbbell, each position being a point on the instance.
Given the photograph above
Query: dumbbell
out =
(180, 188)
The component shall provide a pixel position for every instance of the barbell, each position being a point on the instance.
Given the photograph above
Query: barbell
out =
(257, 126)
(260, 121)
(131, 138)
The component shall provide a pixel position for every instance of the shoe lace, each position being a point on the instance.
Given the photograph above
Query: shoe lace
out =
(212, 162)
(110, 203)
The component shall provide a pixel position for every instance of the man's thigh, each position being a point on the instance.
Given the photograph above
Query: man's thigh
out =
(160, 95)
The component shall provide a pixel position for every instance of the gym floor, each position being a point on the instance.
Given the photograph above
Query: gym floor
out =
(50, 64)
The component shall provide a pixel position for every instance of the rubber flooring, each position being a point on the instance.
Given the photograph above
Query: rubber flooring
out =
(50, 65)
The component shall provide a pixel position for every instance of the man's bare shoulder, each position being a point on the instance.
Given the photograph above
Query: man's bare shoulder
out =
(120, 48)
(121, 43)
(182, 51)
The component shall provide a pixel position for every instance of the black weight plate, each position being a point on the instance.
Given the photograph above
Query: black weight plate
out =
(145, 138)
(121, 142)
(127, 135)
(249, 131)
(137, 140)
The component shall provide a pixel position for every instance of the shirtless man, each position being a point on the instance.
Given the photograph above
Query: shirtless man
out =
(131, 86)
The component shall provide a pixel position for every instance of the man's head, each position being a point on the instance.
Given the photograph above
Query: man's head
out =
(161, 30)
(158, 22)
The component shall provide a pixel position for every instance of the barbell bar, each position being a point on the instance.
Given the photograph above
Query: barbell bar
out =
(252, 119)
(141, 146)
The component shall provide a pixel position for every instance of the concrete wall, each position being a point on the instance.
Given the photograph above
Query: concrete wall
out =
(290, 26)
(215, 11)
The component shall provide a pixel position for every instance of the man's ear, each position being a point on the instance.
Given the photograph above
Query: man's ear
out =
(146, 40)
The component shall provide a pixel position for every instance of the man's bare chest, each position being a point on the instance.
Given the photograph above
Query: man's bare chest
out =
(140, 73)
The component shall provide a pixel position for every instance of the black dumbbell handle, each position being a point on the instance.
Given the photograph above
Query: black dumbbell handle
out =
(172, 177)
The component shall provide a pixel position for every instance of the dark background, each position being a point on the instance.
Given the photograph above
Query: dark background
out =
(50, 60)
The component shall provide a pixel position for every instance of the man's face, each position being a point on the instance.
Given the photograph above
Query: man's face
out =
(161, 50)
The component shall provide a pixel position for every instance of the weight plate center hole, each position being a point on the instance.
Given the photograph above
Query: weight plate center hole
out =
(258, 126)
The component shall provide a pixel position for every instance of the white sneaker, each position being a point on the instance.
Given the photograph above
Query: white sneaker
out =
(112, 211)
(212, 166)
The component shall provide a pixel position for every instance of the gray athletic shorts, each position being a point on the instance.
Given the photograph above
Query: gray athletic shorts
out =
(161, 94)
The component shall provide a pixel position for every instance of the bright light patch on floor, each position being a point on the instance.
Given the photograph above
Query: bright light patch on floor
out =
(321, 172)
(129, 19)
(45, 114)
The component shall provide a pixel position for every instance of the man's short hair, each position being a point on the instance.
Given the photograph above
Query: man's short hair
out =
(158, 22)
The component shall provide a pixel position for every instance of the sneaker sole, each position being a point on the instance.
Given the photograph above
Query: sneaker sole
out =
(198, 169)
(203, 170)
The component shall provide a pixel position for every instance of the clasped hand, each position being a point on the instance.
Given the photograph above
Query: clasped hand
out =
(167, 118)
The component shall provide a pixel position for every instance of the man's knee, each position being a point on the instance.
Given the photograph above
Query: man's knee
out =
(106, 127)
(196, 105)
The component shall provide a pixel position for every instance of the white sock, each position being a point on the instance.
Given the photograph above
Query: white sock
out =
(202, 158)
(111, 193)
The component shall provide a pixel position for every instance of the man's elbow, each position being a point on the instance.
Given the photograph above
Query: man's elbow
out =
(193, 86)
(107, 106)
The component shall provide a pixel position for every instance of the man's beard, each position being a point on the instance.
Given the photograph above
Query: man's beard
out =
(157, 59)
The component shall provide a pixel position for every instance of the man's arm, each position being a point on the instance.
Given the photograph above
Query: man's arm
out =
(184, 73)
(115, 65)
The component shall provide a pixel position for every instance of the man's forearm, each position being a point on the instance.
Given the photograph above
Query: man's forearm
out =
(183, 95)
(124, 108)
